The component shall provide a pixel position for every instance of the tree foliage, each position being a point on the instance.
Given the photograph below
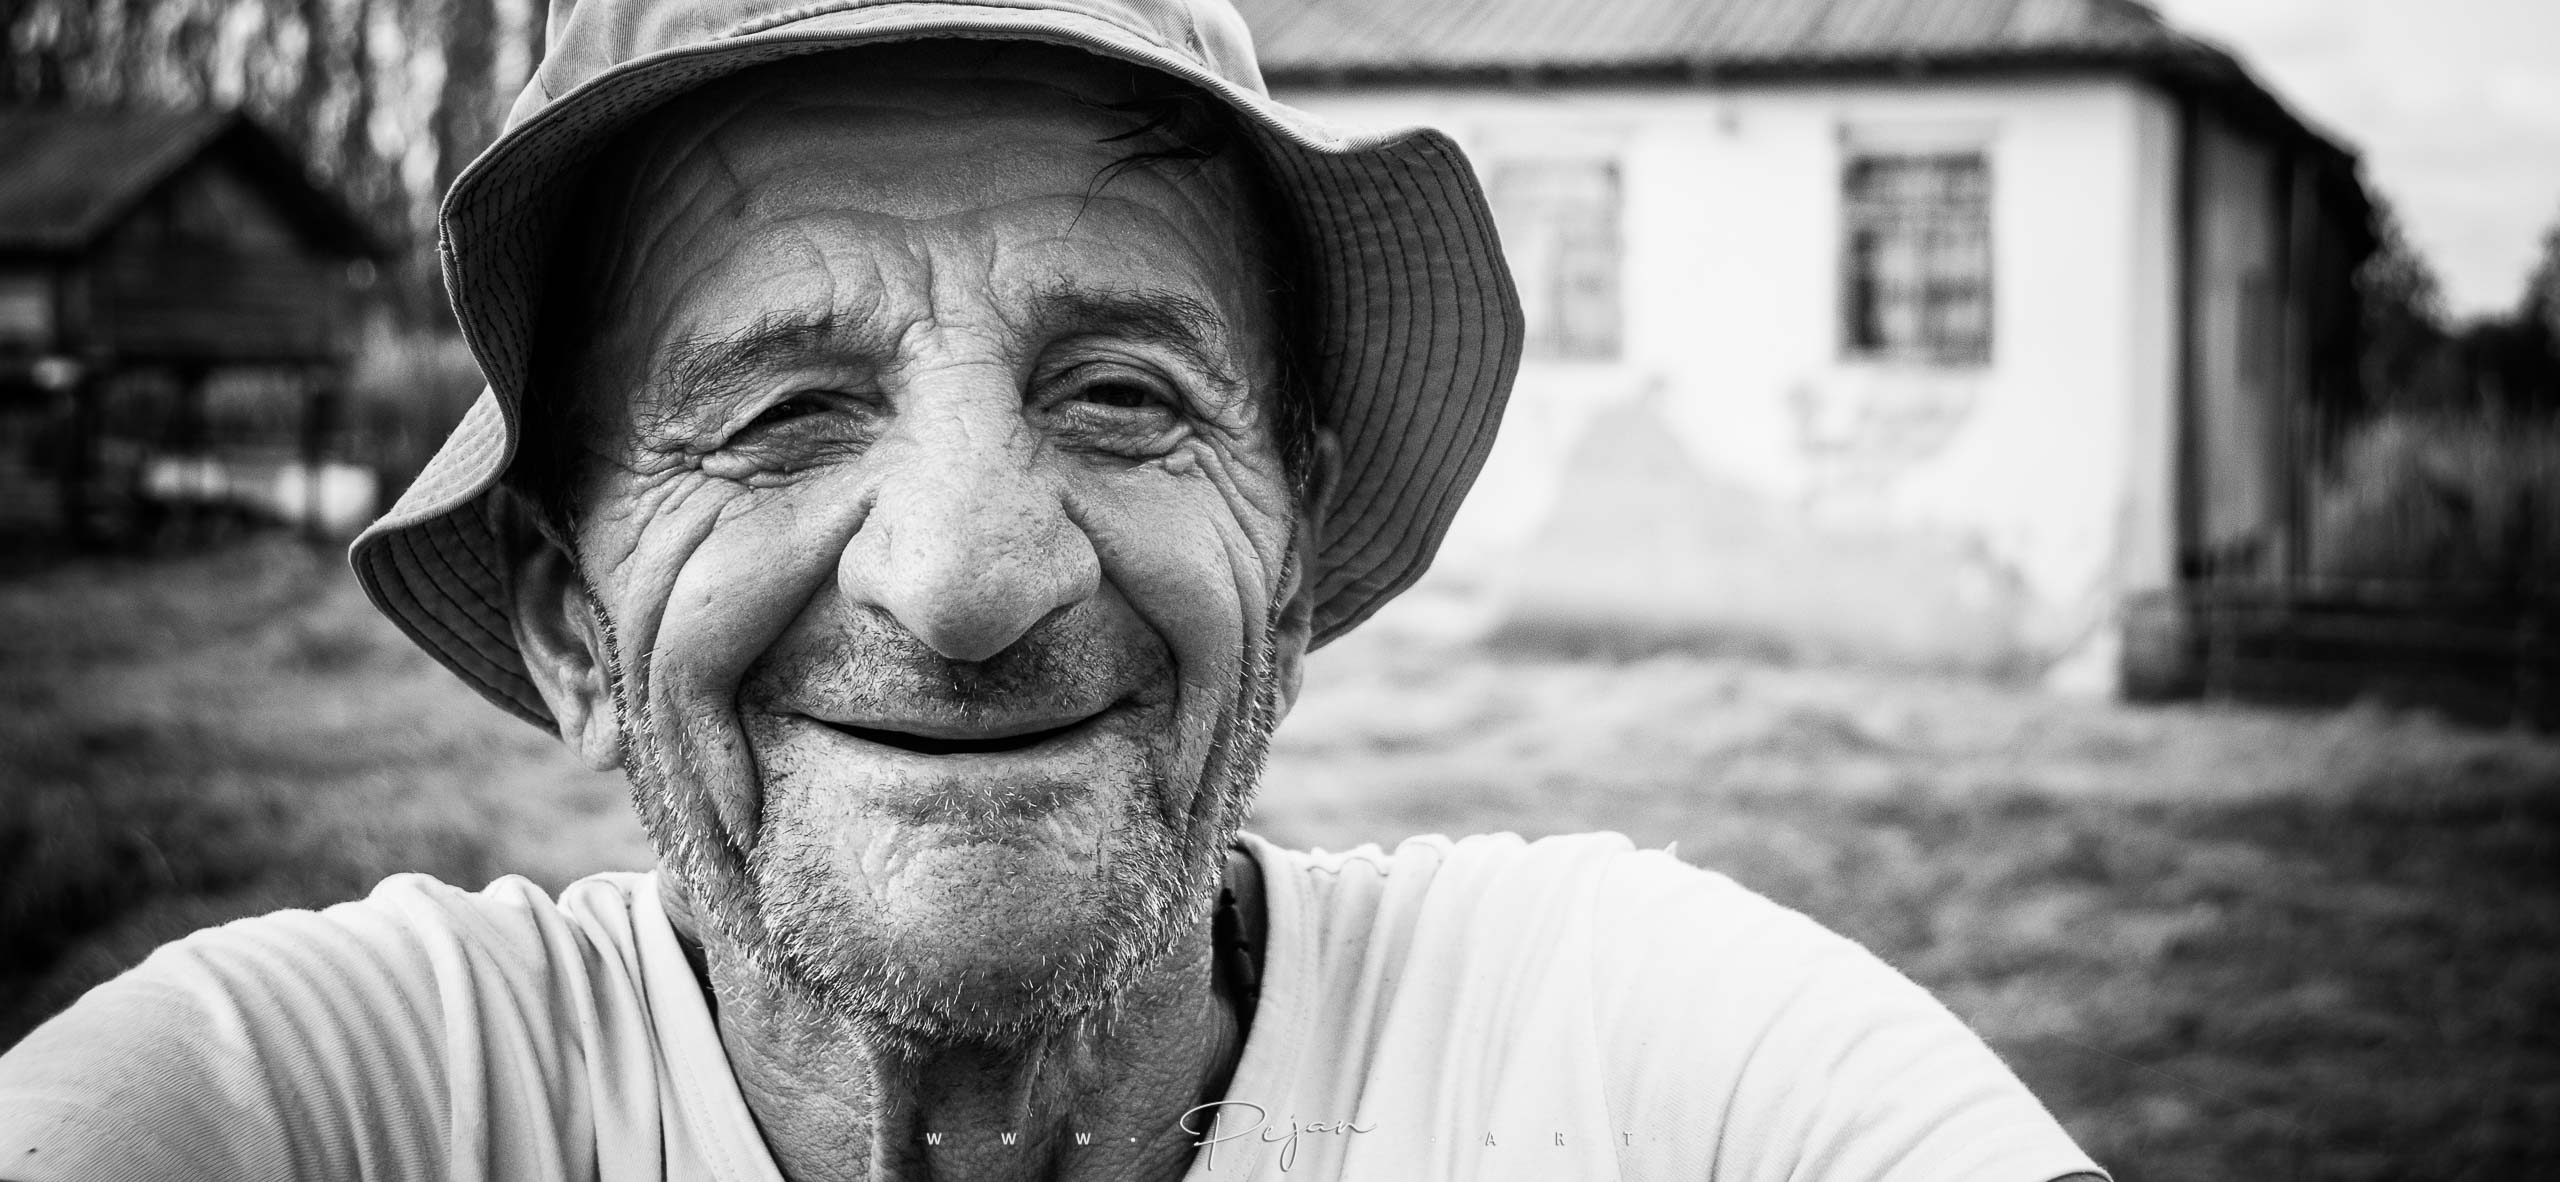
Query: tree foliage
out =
(2405, 336)
(385, 99)
(2515, 359)
(2415, 359)
(2541, 304)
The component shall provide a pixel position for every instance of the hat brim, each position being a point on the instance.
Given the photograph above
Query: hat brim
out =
(1416, 327)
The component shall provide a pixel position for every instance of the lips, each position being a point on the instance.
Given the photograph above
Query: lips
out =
(970, 733)
(986, 777)
(958, 744)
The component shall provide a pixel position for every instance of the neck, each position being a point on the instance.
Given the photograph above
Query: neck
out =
(1104, 1099)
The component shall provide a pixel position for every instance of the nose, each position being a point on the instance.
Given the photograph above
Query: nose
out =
(968, 543)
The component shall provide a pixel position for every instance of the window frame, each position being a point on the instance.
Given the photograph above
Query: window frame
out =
(1553, 331)
(1937, 220)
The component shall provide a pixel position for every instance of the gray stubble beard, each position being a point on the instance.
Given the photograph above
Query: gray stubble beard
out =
(1152, 893)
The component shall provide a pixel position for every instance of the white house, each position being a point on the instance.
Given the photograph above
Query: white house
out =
(1948, 332)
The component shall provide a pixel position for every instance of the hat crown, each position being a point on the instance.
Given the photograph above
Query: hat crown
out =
(589, 38)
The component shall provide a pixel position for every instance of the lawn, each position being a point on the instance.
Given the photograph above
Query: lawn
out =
(2220, 942)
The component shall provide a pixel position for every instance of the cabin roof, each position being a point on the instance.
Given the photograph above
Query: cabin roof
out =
(1443, 36)
(1542, 43)
(68, 175)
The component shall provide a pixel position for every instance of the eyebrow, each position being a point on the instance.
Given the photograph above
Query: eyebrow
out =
(702, 372)
(1157, 315)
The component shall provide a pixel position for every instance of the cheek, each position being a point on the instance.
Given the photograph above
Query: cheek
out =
(707, 579)
(1194, 555)
(745, 578)
(663, 546)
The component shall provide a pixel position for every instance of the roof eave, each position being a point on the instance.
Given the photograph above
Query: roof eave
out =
(173, 158)
(2184, 67)
(2182, 64)
(328, 218)
(1893, 64)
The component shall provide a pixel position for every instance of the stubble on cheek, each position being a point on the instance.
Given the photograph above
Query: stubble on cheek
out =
(675, 792)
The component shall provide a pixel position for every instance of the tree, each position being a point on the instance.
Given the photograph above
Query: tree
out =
(2405, 341)
(2515, 360)
(2541, 304)
(468, 110)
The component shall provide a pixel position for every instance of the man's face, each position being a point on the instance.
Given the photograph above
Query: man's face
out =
(939, 532)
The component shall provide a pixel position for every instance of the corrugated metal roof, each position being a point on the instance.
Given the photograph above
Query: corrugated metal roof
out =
(1336, 42)
(68, 174)
(1318, 37)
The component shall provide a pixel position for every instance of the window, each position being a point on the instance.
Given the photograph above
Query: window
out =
(1559, 222)
(1918, 257)
(26, 307)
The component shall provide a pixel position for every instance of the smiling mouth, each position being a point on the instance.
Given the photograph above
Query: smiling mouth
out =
(947, 745)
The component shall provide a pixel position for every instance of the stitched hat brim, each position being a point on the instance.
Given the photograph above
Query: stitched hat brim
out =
(1416, 327)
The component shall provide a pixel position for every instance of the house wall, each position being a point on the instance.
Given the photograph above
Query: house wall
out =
(1984, 515)
(2240, 363)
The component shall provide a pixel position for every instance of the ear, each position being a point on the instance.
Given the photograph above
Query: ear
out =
(561, 634)
(1298, 614)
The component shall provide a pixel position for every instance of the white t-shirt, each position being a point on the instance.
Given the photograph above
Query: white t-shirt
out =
(1479, 1009)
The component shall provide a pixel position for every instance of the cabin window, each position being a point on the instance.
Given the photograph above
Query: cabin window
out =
(1559, 221)
(1917, 257)
(26, 307)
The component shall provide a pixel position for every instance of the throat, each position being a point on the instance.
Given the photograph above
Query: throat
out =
(1073, 1110)
(1102, 1097)
(1102, 1100)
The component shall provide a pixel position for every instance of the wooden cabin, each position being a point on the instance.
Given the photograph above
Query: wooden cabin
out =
(177, 301)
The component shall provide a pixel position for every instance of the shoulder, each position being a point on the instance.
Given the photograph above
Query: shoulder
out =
(408, 928)
(411, 958)
(1640, 921)
(1593, 892)
(1420, 867)
(1720, 1031)
(1809, 1050)
(314, 1043)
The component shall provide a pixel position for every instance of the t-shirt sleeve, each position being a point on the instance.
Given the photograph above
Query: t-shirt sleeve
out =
(1767, 1047)
(294, 1045)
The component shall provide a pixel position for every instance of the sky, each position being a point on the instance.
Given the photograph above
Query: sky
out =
(2453, 104)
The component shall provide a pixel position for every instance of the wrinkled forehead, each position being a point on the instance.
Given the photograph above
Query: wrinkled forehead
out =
(920, 130)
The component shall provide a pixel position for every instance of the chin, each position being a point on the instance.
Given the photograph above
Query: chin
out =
(978, 930)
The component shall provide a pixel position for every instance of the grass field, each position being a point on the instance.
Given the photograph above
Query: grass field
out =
(2221, 943)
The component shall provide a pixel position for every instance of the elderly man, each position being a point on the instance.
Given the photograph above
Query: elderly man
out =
(923, 440)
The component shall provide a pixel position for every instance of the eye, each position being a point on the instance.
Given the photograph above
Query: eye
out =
(1112, 406)
(1118, 393)
(798, 406)
(1112, 385)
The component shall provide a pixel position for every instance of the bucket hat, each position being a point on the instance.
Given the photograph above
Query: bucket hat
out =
(1415, 327)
